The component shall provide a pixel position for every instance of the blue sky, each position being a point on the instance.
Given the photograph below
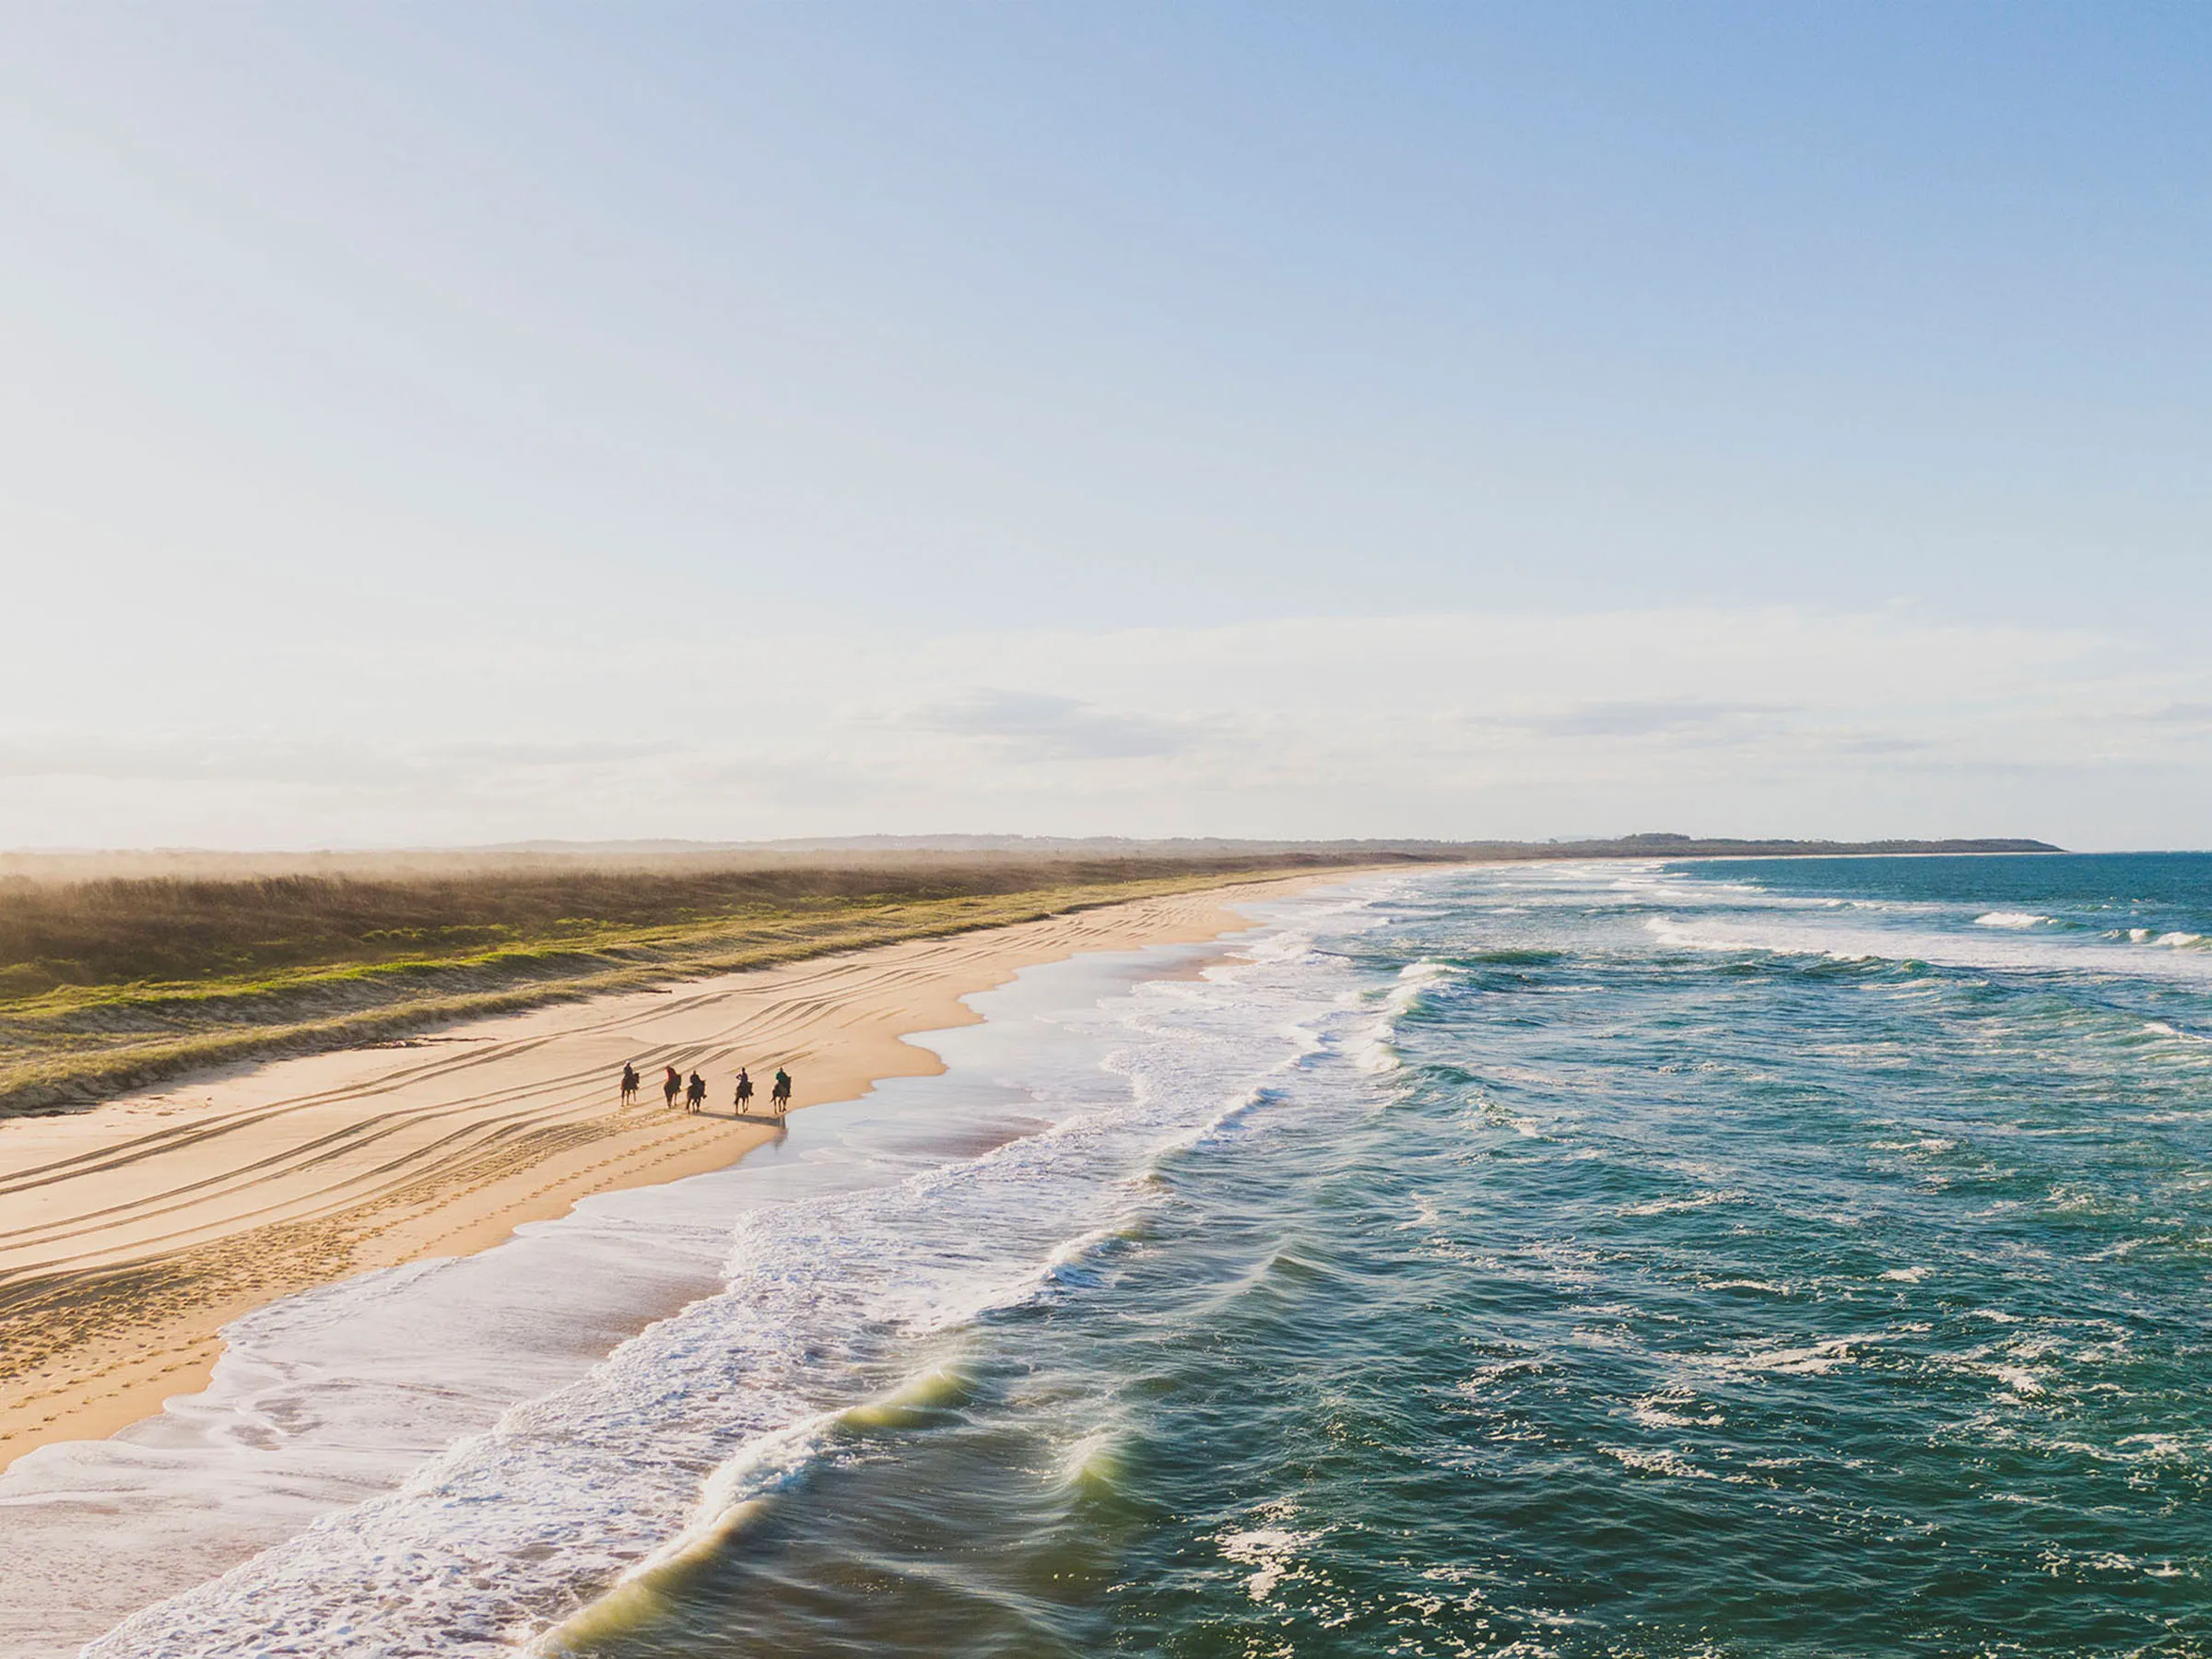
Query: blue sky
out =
(446, 424)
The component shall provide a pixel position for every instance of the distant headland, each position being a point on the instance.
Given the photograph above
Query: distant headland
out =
(1650, 845)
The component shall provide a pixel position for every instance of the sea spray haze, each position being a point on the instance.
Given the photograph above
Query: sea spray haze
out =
(1710, 1258)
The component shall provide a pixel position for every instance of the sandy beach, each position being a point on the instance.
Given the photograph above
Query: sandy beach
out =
(131, 1234)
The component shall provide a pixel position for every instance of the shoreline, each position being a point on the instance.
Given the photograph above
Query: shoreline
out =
(239, 1190)
(71, 1046)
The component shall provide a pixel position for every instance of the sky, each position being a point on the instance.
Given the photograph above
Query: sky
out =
(432, 425)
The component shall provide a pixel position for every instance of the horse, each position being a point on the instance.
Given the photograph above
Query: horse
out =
(629, 1084)
(780, 1096)
(696, 1095)
(671, 1085)
(744, 1092)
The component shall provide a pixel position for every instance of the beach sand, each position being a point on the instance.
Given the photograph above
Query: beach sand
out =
(131, 1234)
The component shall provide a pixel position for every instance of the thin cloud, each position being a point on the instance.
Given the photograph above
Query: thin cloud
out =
(1058, 728)
(197, 757)
(523, 753)
(1650, 718)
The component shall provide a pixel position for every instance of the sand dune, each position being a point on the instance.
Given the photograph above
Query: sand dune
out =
(131, 1234)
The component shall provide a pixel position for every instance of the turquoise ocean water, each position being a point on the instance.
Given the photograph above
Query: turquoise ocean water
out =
(1794, 1257)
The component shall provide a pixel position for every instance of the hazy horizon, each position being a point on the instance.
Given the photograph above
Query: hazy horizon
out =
(434, 428)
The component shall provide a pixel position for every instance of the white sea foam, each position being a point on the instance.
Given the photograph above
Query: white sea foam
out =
(2012, 919)
(2169, 941)
(1835, 939)
(1672, 1206)
(1374, 1051)
(1426, 1216)
(1425, 972)
(1813, 1360)
(1375, 1048)
(1674, 1408)
(1650, 1460)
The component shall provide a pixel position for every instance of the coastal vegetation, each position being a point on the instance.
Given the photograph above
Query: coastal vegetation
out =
(109, 981)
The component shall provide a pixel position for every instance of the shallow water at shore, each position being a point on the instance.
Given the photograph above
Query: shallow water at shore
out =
(1739, 1258)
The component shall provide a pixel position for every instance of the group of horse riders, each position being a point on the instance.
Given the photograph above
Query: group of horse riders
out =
(695, 1091)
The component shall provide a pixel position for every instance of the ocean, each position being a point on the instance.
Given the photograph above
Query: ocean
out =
(1740, 1257)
